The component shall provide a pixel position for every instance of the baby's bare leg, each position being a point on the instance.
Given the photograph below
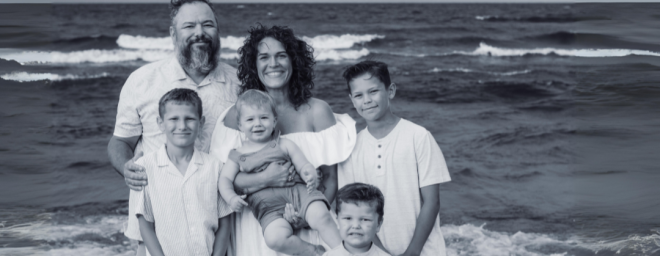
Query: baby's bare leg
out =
(279, 237)
(319, 219)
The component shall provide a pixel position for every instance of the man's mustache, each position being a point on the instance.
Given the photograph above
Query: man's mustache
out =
(200, 39)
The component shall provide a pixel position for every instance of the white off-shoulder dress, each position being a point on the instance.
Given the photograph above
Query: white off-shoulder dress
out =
(327, 147)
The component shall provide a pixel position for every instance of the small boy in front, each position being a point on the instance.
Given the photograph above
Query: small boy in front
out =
(360, 215)
(182, 197)
(399, 157)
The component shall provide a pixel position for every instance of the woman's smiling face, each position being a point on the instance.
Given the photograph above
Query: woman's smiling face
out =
(273, 64)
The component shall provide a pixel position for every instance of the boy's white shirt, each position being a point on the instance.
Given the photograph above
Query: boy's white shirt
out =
(185, 209)
(399, 164)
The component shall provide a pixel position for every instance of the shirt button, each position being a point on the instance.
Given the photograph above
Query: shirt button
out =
(243, 158)
(378, 146)
(378, 156)
(379, 167)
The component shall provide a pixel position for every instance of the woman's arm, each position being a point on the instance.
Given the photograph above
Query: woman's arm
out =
(148, 232)
(426, 218)
(329, 181)
(276, 175)
(221, 242)
(304, 167)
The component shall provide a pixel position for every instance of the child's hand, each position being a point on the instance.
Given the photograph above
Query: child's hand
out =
(237, 203)
(311, 180)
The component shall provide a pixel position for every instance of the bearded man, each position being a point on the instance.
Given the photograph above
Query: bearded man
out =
(195, 66)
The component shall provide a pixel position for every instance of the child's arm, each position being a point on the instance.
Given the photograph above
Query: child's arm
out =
(221, 242)
(304, 167)
(146, 222)
(148, 232)
(226, 186)
(426, 218)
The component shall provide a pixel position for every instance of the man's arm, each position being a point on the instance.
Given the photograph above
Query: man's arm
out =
(120, 152)
(275, 175)
(221, 243)
(426, 218)
(148, 232)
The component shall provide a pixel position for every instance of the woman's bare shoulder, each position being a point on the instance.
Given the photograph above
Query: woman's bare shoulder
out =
(231, 119)
(322, 114)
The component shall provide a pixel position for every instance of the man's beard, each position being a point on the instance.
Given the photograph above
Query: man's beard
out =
(201, 58)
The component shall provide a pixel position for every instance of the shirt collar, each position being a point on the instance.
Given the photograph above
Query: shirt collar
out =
(175, 72)
(164, 160)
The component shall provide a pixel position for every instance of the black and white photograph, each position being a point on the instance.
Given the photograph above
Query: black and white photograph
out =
(429, 127)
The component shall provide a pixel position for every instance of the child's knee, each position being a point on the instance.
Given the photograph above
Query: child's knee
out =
(276, 234)
(317, 214)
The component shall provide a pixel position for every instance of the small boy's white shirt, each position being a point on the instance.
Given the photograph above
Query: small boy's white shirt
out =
(399, 164)
(341, 251)
(185, 208)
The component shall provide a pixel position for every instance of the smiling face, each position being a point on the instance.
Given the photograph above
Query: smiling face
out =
(273, 64)
(256, 122)
(370, 97)
(194, 32)
(358, 224)
(180, 123)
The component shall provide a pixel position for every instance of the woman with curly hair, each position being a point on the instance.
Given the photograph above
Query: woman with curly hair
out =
(273, 60)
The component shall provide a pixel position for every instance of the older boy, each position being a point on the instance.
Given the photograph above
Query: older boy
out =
(359, 214)
(399, 157)
(182, 196)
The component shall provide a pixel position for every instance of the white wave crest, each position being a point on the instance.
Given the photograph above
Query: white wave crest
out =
(340, 54)
(488, 50)
(469, 239)
(165, 43)
(339, 42)
(466, 70)
(27, 77)
(94, 56)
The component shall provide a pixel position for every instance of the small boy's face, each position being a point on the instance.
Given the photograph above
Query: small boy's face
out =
(257, 123)
(180, 123)
(358, 224)
(370, 97)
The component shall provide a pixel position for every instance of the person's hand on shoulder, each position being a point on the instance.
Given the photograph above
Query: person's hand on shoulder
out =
(134, 174)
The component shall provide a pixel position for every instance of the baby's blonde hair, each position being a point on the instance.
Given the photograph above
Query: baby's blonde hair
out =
(254, 98)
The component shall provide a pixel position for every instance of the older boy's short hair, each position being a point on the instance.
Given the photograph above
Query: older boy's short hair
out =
(180, 96)
(361, 193)
(374, 68)
(255, 98)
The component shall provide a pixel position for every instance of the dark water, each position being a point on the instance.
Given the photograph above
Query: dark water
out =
(547, 115)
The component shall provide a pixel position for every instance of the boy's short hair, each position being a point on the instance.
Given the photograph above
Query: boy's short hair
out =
(375, 68)
(257, 98)
(180, 96)
(361, 193)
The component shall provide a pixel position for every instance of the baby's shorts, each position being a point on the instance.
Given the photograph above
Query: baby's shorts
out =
(268, 204)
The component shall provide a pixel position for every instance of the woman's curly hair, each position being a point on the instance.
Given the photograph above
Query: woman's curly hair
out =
(300, 53)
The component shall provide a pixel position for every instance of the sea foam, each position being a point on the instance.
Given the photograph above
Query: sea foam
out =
(27, 77)
(165, 43)
(233, 42)
(485, 49)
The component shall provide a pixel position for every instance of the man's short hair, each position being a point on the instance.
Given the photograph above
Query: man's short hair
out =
(180, 96)
(255, 98)
(361, 193)
(374, 68)
(176, 4)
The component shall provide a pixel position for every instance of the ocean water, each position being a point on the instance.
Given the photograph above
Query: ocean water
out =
(547, 115)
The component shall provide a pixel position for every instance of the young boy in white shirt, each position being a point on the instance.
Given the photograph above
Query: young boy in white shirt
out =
(182, 197)
(359, 214)
(399, 157)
